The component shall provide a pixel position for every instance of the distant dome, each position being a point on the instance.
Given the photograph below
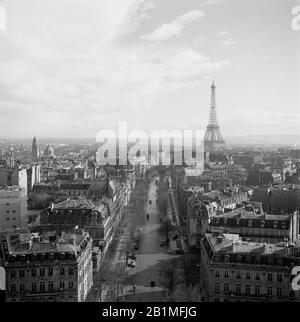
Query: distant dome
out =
(49, 152)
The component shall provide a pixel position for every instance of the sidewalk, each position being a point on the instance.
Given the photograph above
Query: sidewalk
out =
(173, 206)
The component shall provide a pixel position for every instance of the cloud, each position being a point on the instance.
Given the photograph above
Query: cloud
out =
(211, 2)
(174, 28)
(229, 43)
(223, 33)
(63, 67)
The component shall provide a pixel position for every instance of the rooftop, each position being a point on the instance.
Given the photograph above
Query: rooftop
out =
(231, 243)
(23, 244)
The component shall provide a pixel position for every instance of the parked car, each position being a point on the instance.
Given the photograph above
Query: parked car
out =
(136, 246)
(131, 264)
(171, 252)
(152, 283)
(132, 256)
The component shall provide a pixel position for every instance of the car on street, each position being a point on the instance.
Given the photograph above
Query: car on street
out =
(152, 283)
(131, 264)
(132, 256)
(171, 252)
(136, 246)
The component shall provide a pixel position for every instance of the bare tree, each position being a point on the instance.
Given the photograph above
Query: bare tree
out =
(169, 275)
(102, 279)
(166, 228)
(191, 278)
(119, 279)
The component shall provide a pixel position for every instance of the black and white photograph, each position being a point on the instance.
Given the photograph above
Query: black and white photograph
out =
(149, 154)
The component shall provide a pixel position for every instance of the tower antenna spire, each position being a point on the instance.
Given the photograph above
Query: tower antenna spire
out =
(213, 139)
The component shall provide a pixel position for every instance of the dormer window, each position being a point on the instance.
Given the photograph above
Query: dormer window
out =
(262, 224)
(275, 224)
(250, 223)
(283, 225)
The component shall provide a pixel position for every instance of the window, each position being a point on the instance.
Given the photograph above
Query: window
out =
(257, 290)
(42, 272)
(283, 225)
(62, 285)
(226, 288)
(71, 271)
(262, 224)
(275, 224)
(33, 287)
(257, 277)
(50, 271)
(217, 274)
(13, 273)
(279, 277)
(217, 288)
(248, 276)
(62, 271)
(42, 287)
(70, 285)
(226, 274)
(269, 291)
(7, 211)
(22, 273)
(22, 287)
(238, 275)
(250, 223)
(248, 289)
(292, 293)
(50, 287)
(279, 292)
(13, 288)
(238, 289)
(270, 277)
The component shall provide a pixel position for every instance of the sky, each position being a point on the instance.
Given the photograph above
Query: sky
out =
(70, 68)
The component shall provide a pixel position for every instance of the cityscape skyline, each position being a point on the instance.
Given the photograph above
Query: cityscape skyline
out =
(136, 61)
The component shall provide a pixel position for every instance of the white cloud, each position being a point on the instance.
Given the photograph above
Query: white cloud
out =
(229, 43)
(174, 28)
(65, 69)
(223, 33)
(211, 2)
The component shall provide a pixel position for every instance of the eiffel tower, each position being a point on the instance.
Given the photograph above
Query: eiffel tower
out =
(213, 140)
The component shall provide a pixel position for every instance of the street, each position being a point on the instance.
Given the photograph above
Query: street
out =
(151, 255)
(134, 283)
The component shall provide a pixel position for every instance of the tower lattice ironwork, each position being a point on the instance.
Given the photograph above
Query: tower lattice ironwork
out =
(213, 140)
